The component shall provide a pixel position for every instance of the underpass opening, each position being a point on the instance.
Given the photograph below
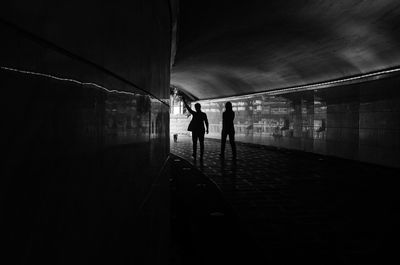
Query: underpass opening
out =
(352, 118)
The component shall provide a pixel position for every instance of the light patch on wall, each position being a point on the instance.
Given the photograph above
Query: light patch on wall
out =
(66, 80)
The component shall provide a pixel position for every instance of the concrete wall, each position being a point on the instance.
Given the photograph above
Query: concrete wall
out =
(358, 121)
(83, 174)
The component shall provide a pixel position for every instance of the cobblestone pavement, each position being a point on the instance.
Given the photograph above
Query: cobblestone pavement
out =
(205, 229)
(304, 207)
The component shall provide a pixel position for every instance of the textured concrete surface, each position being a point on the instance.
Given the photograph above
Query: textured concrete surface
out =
(229, 48)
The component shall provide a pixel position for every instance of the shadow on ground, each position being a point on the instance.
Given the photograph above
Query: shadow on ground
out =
(287, 207)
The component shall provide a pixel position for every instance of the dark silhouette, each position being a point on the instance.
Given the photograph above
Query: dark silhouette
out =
(196, 126)
(228, 129)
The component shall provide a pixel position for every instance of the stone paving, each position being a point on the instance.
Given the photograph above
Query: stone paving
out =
(205, 229)
(302, 207)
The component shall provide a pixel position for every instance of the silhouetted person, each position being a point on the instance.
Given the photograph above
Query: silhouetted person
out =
(228, 129)
(196, 126)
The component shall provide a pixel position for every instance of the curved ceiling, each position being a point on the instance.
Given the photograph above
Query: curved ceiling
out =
(227, 48)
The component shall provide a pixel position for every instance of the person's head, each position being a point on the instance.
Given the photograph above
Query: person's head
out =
(228, 106)
(197, 106)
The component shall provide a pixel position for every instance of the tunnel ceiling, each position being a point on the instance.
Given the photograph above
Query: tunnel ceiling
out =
(229, 48)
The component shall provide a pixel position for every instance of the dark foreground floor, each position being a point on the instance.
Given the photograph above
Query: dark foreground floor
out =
(282, 207)
(205, 230)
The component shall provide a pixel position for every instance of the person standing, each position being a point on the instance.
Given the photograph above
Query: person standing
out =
(228, 129)
(196, 126)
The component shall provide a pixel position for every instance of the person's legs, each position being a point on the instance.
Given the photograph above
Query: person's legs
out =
(233, 144)
(223, 141)
(201, 139)
(194, 142)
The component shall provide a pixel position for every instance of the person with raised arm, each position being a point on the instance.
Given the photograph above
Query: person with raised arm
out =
(196, 126)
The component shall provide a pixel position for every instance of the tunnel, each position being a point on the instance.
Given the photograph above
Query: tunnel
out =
(99, 100)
